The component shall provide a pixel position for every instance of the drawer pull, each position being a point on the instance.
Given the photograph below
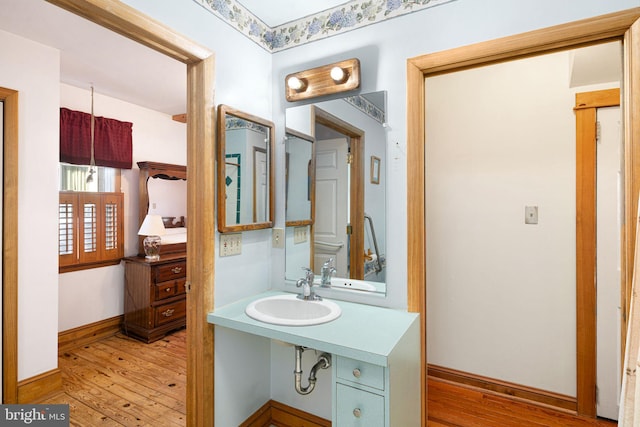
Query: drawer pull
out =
(357, 413)
(176, 270)
(357, 373)
(168, 290)
(168, 312)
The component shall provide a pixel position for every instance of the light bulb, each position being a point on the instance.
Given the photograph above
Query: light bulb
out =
(295, 83)
(337, 74)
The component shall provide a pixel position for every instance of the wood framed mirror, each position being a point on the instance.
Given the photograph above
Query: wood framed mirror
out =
(245, 171)
(162, 191)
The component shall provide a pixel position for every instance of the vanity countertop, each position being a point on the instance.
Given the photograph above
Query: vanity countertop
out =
(362, 332)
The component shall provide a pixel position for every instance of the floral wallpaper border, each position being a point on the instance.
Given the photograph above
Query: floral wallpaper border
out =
(349, 16)
(367, 107)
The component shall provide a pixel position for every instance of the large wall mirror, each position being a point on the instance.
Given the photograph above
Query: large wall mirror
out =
(245, 171)
(338, 177)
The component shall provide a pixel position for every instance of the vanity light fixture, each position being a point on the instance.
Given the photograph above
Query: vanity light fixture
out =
(153, 228)
(328, 79)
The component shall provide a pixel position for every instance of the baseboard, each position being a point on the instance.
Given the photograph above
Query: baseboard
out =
(86, 334)
(517, 391)
(35, 388)
(281, 415)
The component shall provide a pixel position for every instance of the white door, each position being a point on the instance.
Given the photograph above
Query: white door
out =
(332, 188)
(608, 214)
(260, 186)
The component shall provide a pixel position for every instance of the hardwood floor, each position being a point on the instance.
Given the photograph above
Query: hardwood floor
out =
(452, 405)
(119, 381)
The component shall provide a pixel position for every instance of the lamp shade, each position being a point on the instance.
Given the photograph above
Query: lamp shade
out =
(152, 226)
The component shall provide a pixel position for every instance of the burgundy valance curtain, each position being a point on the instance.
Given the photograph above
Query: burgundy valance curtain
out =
(112, 140)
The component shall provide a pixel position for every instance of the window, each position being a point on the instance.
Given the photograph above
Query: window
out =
(90, 218)
(91, 230)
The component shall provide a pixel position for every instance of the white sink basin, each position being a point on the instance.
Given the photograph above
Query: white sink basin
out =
(289, 310)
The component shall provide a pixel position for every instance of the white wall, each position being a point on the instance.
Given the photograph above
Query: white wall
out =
(33, 70)
(501, 293)
(96, 294)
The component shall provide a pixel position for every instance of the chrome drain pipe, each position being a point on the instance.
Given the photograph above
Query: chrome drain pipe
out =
(324, 362)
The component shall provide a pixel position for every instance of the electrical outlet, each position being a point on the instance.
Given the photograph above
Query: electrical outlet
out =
(230, 244)
(299, 235)
(278, 238)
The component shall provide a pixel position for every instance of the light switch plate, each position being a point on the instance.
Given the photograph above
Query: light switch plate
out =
(278, 238)
(299, 235)
(230, 244)
(530, 214)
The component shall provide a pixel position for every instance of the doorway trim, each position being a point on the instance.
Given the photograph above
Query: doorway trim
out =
(615, 26)
(356, 190)
(200, 61)
(10, 247)
(585, 109)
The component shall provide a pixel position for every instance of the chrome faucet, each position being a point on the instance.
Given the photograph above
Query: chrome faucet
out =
(306, 284)
(327, 271)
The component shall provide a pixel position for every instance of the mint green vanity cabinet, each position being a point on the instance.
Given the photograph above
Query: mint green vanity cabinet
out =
(375, 359)
(359, 393)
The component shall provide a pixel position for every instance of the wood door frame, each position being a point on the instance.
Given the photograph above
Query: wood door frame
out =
(585, 109)
(356, 191)
(615, 26)
(10, 247)
(200, 61)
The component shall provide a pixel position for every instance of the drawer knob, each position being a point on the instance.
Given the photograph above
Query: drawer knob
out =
(176, 270)
(357, 413)
(168, 312)
(357, 373)
(168, 290)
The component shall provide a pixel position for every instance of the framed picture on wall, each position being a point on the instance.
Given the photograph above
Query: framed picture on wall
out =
(375, 170)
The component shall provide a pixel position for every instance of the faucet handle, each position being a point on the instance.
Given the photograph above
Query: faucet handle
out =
(308, 275)
(328, 263)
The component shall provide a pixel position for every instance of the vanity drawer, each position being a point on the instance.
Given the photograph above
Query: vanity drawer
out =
(171, 271)
(170, 312)
(358, 408)
(360, 372)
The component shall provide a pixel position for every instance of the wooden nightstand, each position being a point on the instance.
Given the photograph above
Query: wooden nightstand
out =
(155, 302)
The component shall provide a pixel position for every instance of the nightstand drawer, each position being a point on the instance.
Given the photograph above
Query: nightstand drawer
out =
(360, 372)
(170, 312)
(358, 408)
(181, 286)
(165, 290)
(171, 271)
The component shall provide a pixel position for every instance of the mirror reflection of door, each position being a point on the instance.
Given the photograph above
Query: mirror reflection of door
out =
(260, 190)
(332, 211)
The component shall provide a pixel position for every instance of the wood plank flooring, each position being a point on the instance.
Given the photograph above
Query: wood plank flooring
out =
(119, 381)
(452, 405)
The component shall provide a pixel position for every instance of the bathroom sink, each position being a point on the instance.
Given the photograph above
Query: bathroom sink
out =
(288, 310)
